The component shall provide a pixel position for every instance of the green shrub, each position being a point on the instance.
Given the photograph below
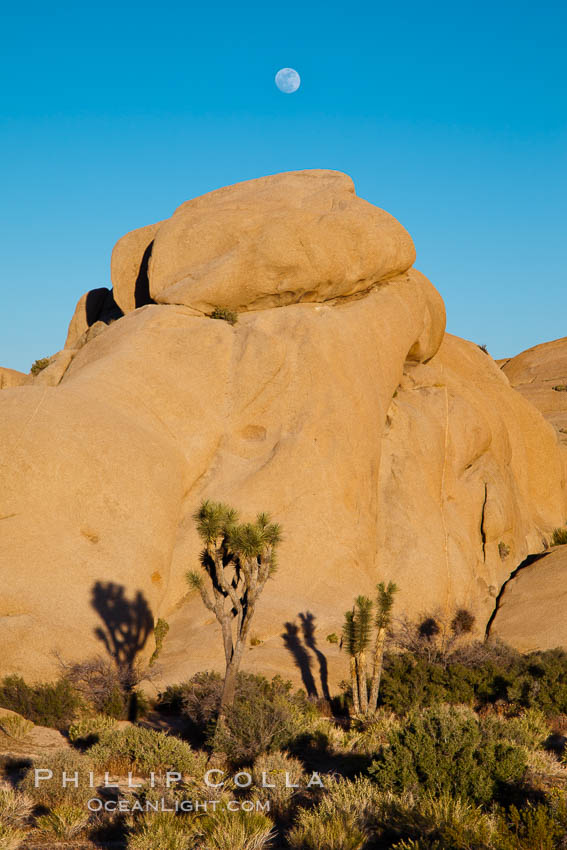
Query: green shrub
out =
(15, 726)
(534, 828)
(50, 792)
(266, 716)
(333, 638)
(87, 731)
(52, 705)
(63, 822)
(479, 674)
(145, 750)
(237, 830)
(442, 750)
(162, 831)
(559, 537)
(225, 314)
(39, 365)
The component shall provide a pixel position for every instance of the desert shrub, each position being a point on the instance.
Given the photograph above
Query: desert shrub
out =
(462, 622)
(52, 705)
(367, 735)
(87, 731)
(39, 365)
(544, 769)
(162, 831)
(503, 550)
(480, 674)
(332, 638)
(359, 799)
(533, 828)
(15, 808)
(101, 685)
(11, 837)
(266, 716)
(161, 629)
(224, 313)
(559, 537)
(539, 680)
(63, 822)
(529, 729)
(274, 767)
(145, 750)
(443, 823)
(314, 830)
(200, 700)
(15, 726)
(442, 750)
(50, 792)
(235, 830)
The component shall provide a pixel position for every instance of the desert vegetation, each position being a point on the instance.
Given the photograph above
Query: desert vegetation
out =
(225, 314)
(238, 559)
(465, 749)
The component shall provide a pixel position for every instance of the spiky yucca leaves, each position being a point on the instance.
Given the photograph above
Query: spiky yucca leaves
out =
(384, 605)
(356, 637)
(238, 559)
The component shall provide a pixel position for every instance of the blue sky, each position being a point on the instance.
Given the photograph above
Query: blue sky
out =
(450, 116)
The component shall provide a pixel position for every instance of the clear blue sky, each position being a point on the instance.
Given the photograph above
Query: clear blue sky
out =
(451, 116)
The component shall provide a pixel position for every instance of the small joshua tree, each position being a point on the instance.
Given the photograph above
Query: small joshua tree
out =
(238, 559)
(356, 637)
(384, 604)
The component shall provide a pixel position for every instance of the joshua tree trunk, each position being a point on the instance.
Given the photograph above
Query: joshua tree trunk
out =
(377, 670)
(362, 686)
(354, 684)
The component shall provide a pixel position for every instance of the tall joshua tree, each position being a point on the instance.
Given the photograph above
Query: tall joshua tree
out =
(238, 559)
(356, 637)
(382, 620)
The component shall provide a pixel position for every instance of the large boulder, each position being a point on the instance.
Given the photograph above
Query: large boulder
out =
(300, 236)
(531, 613)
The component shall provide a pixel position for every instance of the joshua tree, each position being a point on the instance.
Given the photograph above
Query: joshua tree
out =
(384, 603)
(238, 559)
(356, 637)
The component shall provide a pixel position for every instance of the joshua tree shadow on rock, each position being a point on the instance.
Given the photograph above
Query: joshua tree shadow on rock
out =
(127, 626)
(308, 629)
(302, 656)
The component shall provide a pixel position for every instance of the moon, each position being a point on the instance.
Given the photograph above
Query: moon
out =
(288, 80)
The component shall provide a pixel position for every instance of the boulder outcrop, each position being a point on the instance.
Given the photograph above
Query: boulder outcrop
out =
(386, 448)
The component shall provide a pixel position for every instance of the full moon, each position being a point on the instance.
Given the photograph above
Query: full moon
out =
(288, 80)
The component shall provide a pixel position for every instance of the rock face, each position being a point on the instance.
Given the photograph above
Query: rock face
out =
(540, 375)
(11, 378)
(531, 614)
(385, 448)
